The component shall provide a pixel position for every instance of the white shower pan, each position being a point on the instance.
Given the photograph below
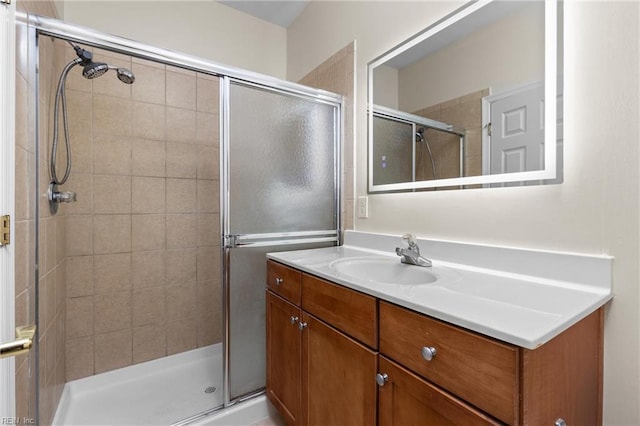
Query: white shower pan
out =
(159, 392)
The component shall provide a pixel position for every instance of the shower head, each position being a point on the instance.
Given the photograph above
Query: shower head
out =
(125, 76)
(94, 69)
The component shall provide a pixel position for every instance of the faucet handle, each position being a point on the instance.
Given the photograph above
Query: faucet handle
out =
(410, 239)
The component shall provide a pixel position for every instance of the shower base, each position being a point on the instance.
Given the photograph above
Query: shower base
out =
(158, 392)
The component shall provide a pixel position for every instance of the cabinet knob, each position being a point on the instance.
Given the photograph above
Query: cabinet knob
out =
(428, 352)
(293, 320)
(381, 379)
(279, 281)
(302, 325)
(560, 422)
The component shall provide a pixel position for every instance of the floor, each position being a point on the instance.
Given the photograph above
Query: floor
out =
(255, 412)
(274, 420)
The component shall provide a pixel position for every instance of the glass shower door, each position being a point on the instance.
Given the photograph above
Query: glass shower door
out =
(393, 151)
(281, 166)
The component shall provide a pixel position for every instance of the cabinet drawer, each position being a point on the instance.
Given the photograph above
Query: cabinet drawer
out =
(349, 311)
(284, 281)
(406, 399)
(479, 370)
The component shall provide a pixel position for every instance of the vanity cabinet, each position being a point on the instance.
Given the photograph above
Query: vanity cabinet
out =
(284, 358)
(337, 371)
(562, 379)
(285, 282)
(319, 372)
(481, 371)
(428, 372)
(407, 399)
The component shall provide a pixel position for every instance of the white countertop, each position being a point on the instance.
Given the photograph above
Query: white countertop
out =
(521, 309)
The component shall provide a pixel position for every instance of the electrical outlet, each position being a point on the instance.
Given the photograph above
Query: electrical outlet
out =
(363, 207)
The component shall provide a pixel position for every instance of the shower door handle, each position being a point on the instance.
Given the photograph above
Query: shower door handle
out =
(22, 343)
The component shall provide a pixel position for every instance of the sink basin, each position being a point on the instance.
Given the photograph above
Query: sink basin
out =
(383, 270)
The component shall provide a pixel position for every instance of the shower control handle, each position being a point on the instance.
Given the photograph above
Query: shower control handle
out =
(66, 197)
(56, 196)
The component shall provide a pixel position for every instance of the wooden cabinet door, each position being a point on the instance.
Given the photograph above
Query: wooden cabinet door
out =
(407, 400)
(284, 358)
(338, 377)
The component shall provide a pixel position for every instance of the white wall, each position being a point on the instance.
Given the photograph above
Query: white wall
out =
(596, 210)
(492, 57)
(385, 86)
(206, 29)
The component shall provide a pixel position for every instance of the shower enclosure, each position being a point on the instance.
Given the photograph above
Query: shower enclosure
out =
(184, 180)
(410, 148)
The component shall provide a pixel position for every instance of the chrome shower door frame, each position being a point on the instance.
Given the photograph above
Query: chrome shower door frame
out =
(296, 240)
(39, 25)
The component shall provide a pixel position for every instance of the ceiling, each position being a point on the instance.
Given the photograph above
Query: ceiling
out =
(281, 13)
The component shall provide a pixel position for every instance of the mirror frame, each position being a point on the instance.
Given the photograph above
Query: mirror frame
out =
(550, 115)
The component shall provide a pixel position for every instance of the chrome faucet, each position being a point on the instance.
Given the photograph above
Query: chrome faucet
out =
(411, 255)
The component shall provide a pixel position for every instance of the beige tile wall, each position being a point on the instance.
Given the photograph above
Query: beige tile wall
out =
(337, 74)
(465, 112)
(143, 240)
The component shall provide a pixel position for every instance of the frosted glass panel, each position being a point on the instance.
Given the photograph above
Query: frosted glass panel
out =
(282, 168)
(247, 324)
(392, 151)
(247, 320)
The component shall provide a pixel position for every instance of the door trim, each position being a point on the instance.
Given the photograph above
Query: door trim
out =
(7, 200)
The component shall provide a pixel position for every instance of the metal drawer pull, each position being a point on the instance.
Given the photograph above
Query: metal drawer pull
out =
(22, 343)
(560, 422)
(302, 325)
(381, 379)
(428, 352)
(293, 320)
(279, 281)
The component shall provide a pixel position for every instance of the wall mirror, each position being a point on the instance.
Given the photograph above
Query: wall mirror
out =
(462, 103)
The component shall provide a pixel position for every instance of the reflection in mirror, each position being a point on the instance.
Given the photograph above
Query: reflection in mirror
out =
(461, 104)
(433, 141)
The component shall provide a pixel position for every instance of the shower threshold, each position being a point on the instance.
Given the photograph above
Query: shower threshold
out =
(159, 392)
